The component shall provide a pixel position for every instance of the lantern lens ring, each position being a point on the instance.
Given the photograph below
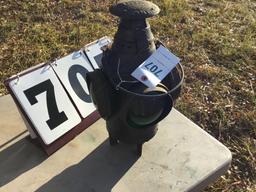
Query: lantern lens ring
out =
(142, 122)
(146, 120)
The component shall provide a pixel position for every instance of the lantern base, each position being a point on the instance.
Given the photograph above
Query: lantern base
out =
(120, 132)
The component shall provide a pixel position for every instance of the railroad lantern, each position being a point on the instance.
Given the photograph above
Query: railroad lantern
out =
(131, 109)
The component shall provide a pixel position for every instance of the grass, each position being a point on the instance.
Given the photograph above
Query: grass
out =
(215, 39)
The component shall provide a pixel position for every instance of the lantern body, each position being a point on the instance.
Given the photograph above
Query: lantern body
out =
(131, 110)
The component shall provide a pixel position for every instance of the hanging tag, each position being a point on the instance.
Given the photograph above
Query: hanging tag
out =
(152, 71)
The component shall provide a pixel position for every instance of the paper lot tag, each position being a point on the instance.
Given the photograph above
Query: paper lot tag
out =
(156, 67)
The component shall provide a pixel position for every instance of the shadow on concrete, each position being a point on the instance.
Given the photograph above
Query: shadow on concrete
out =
(99, 171)
(19, 158)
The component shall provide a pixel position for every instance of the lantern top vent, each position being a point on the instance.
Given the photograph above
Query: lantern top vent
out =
(134, 9)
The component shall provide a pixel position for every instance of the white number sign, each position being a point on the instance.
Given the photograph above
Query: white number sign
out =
(71, 71)
(46, 103)
(156, 67)
(94, 52)
(55, 96)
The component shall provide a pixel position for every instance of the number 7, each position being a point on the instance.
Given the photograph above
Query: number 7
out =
(55, 117)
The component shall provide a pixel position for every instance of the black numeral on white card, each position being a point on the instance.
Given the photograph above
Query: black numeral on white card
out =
(55, 117)
(76, 85)
(153, 69)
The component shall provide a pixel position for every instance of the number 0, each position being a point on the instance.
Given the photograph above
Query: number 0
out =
(55, 117)
(75, 84)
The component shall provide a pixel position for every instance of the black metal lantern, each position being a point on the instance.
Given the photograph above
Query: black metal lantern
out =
(132, 110)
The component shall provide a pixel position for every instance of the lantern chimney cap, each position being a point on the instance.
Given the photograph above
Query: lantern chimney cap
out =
(134, 9)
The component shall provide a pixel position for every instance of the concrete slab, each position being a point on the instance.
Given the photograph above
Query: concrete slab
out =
(181, 157)
(11, 123)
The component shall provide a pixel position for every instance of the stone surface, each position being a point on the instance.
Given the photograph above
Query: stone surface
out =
(11, 123)
(181, 157)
